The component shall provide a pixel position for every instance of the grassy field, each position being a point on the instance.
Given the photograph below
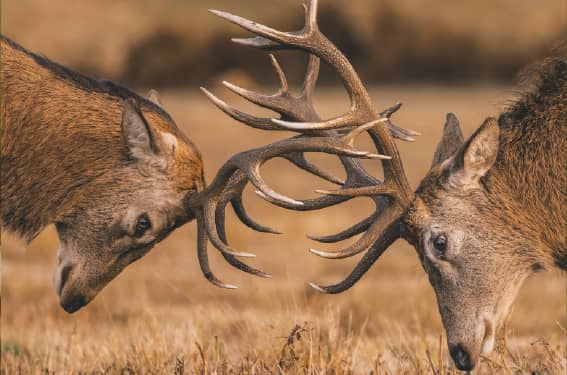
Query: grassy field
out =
(162, 317)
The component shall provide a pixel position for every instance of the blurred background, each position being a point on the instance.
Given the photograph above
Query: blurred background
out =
(176, 43)
(160, 315)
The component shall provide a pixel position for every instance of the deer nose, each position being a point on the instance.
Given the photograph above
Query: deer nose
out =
(73, 304)
(462, 358)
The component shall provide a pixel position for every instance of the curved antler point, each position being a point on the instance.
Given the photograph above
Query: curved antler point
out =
(205, 91)
(322, 254)
(229, 286)
(238, 254)
(378, 156)
(318, 288)
(324, 192)
(218, 13)
(280, 198)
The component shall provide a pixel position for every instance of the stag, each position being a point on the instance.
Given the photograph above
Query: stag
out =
(115, 174)
(490, 211)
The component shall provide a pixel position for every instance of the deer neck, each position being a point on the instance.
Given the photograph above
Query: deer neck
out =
(56, 138)
(528, 182)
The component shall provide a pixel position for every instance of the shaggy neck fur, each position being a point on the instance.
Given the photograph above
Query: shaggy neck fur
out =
(528, 182)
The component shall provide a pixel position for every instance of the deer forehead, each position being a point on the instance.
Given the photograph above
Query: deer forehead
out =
(162, 206)
(436, 208)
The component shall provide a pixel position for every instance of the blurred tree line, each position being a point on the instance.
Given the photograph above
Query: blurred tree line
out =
(177, 43)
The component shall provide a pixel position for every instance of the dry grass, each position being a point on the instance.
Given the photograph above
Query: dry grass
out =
(161, 316)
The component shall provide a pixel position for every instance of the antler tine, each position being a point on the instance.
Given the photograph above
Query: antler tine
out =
(281, 75)
(300, 160)
(388, 112)
(355, 175)
(241, 213)
(220, 220)
(311, 76)
(396, 131)
(306, 204)
(372, 234)
(389, 235)
(209, 217)
(203, 257)
(232, 194)
(351, 231)
(253, 121)
(364, 191)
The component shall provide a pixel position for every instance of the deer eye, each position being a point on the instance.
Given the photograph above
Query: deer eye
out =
(142, 225)
(440, 243)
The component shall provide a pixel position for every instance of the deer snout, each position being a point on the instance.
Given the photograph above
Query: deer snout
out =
(61, 276)
(462, 357)
(467, 350)
(69, 299)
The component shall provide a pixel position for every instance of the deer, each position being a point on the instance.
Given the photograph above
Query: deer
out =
(115, 175)
(490, 211)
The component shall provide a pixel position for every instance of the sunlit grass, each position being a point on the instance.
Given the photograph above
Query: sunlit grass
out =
(162, 317)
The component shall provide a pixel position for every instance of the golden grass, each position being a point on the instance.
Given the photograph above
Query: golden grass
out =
(162, 317)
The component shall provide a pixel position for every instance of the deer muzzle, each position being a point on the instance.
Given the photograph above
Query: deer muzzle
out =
(64, 280)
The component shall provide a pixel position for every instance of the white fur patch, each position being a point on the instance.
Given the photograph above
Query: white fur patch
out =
(488, 345)
(170, 140)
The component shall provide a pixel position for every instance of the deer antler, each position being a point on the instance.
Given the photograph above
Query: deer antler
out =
(227, 187)
(208, 206)
(391, 196)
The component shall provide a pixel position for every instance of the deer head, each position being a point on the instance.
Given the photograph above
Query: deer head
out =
(471, 262)
(135, 206)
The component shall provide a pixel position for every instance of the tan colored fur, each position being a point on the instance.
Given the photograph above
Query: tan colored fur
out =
(64, 143)
(500, 200)
(66, 160)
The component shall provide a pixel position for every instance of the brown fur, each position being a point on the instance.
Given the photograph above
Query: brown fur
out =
(67, 159)
(499, 199)
(61, 139)
(529, 177)
(527, 186)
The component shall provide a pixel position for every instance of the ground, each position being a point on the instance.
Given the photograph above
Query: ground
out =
(161, 316)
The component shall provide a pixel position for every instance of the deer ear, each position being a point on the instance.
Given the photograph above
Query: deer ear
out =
(154, 97)
(451, 140)
(136, 132)
(479, 153)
